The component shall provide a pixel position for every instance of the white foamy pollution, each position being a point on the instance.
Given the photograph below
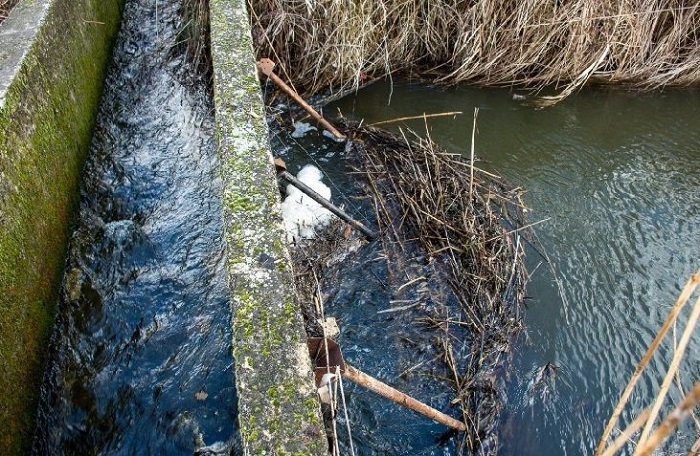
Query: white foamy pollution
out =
(302, 215)
(301, 129)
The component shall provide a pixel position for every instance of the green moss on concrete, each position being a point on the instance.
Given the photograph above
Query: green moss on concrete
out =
(278, 410)
(46, 119)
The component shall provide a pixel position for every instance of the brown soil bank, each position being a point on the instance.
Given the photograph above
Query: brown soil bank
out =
(564, 43)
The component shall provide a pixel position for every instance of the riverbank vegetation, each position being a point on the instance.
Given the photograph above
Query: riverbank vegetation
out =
(321, 45)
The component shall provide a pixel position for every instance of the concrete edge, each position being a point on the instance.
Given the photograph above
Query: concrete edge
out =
(53, 55)
(278, 409)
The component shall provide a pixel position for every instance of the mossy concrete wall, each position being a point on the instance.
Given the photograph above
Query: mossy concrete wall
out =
(53, 56)
(278, 410)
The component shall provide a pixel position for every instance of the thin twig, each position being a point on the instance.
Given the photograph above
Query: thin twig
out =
(471, 156)
(422, 116)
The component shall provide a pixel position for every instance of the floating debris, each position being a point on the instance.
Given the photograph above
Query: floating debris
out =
(453, 266)
(301, 129)
(453, 213)
(302, 215)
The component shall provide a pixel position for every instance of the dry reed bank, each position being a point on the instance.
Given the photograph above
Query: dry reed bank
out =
(336, 44)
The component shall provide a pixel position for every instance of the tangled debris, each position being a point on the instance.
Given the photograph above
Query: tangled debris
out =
(5, 8)
(446, 224)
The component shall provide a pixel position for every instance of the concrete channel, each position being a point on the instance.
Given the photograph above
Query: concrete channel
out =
(53, 56)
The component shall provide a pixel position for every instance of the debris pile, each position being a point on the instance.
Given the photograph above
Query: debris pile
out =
(435, 211)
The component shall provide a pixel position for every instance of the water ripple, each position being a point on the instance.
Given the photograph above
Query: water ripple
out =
(142, 358)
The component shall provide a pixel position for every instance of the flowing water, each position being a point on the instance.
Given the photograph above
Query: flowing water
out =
(615, 179)
(141, 358)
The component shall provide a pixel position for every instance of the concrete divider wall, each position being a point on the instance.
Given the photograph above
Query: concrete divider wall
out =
(278, 409)
(53, 57)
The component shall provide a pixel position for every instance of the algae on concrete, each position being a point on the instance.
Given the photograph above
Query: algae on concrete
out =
(53, 56)
(278, 410)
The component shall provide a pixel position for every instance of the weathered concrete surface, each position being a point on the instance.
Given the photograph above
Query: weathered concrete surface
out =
(53, 55)
(278, 410)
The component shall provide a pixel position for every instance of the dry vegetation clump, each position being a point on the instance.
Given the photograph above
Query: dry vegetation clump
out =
(443, 222)
(5, 8)
(456, 215)
(336, 45)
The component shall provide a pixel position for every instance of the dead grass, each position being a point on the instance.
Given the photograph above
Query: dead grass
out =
(448, 253)
(336, 45)
(654, 433)
(193, 37)
(454, 213)
(5, 8)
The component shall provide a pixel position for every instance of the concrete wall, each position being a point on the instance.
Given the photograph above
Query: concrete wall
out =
(53, 56)
(278, 409)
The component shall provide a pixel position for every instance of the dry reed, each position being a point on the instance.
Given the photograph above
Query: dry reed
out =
(194, 35)
(336, 45)
(452, 212)
(5, 8)
(651, 437)
(437, 209)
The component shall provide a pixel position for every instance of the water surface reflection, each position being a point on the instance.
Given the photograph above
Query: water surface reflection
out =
(617, 175)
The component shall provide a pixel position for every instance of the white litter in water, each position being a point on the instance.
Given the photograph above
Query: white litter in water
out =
(302, 128)
(302, 215)
(330, 135)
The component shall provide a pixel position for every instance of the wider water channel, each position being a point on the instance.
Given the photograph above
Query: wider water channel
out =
(141, 353)
(615, 178)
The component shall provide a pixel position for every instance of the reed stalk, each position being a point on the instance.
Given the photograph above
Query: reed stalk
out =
(649, 434)
(5, 8)
(671, 421)
(672, 369)
(338, 44)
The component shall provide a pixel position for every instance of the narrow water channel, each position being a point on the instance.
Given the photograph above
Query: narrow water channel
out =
(615, 178)
(141, 353)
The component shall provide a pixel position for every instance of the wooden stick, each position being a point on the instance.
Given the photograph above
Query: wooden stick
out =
(266, 66)
(397, 396)
(328, 205)
(680, 302)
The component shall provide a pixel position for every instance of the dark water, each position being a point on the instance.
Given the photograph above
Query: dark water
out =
(141, 357)
(617, 175)
(358, 291)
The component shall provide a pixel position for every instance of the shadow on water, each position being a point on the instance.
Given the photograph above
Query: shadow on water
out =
(140, 357)
(617, 174)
